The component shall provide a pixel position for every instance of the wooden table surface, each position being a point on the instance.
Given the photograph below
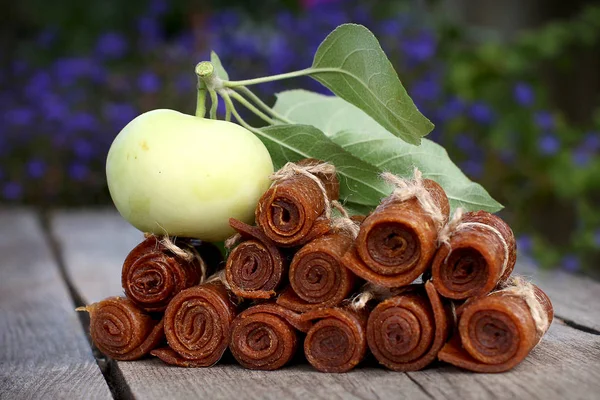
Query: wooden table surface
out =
(49, 264)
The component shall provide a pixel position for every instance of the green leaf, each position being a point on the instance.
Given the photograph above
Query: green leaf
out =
(355, 68)
(216, 62)
(359, 134)
(359, 181)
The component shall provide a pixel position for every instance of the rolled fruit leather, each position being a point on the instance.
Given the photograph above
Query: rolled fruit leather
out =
(406, 331)
(256, 267)
(318, 275)
(121, 330)
(197, 325)
(157, 269)
(295, 208)
(337, 342)
(397, 241)
(496, 332)
(266, 336)
(479, 254)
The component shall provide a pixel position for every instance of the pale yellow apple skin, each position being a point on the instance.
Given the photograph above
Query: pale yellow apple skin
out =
(181, 175)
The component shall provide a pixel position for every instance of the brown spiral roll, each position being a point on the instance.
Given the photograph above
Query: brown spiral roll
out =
(318, 276)
(152, 274)
(338, 341)
(406, 332)
(122, 331)
(398, 240)
(292, 211)
(197, 326)
(255, 267)
(265, 336)
(496, 332)
(481, 252)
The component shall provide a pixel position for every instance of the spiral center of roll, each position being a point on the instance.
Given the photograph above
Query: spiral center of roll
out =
(148, 282)
(467, 270)
(314, 277)
(393, 245)
(114, 330)
(285, 217)
(493, 335)
(256, 271)
(259, 339)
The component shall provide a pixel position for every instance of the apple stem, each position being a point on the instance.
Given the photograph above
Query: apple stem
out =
(230, 106)
(201, 102)
(238, 97)
(248, 93)
(214, 103)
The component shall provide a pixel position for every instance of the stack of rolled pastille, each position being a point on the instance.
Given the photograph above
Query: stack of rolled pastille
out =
(407, 283)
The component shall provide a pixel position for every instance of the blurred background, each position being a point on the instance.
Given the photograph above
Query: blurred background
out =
(513, 87)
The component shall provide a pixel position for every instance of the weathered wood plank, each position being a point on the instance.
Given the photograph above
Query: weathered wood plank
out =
(571, 295)
(43, 349)
(566, 362)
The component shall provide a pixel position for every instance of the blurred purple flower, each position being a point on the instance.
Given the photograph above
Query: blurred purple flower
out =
(591, 141)
(523, 94)
(548, 144)
(571, 263)
(83, 149)
(420, 48)
(19, 67)
(426, 89)
(111, 45)
(472, 168)
(581, 156)
(40, 82)
(148, 82)
(524, 243)
(68, 70)
(36, 168)
(280, 54)
(544, 120)
(450, 109)
(150, 31)
(158, 7)
(78, 171)
(481, 113)
(12, 191)
(53, 107)
(46, 38)
(119, 114)
(390, 27)
(313, 3)
(19, 116)
(184, 83)
(81, 121)
(466, 143)
(224, 19)
(507, 156)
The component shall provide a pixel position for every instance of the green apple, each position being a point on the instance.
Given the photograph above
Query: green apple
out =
(181, 175)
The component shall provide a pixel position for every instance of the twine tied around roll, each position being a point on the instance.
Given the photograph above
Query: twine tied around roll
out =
(290, 169)
(343, 222)
(517, 286)
(369, 292)
(232, 240)
(188, 254)
(456, 224)
(406, 189)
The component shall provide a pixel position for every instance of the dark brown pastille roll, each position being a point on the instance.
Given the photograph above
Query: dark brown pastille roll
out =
(480, 252)
(337, 342)
(318, 276)
(122, 331)
(405, 332)
(398, 240)
(496, 332)
(295, 209)
(265, 336)
(156, 270)
(197, 326)
(256, 267)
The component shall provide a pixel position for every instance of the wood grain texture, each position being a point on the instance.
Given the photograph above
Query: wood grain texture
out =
(575, 298)
(565, 365)
(43, 349)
